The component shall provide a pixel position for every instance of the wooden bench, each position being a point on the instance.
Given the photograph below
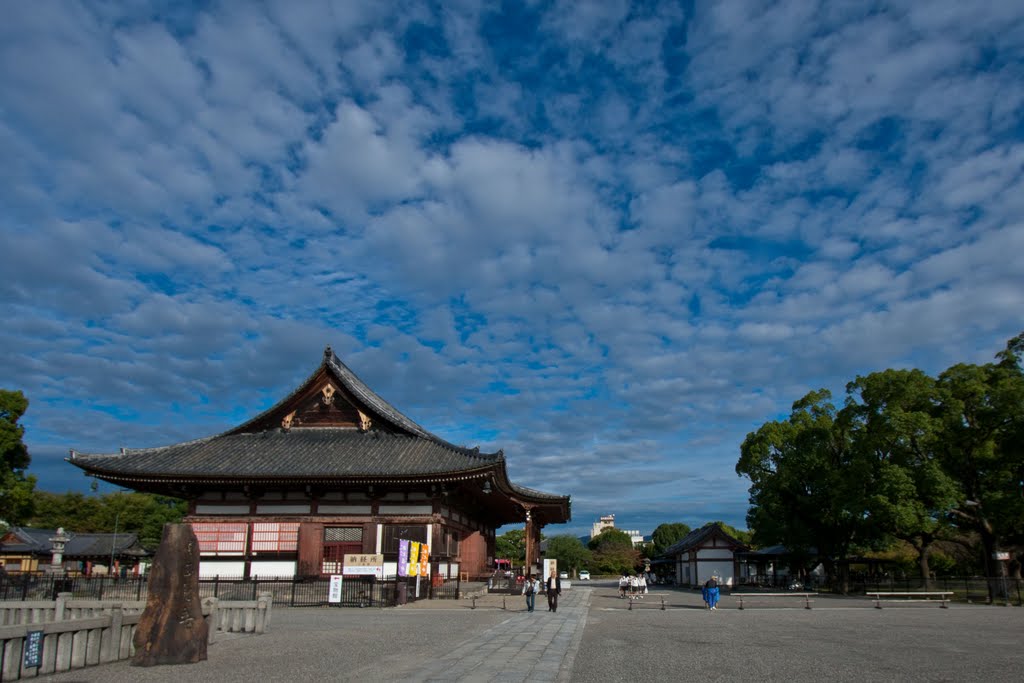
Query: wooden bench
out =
(911, 596)
(751, 596)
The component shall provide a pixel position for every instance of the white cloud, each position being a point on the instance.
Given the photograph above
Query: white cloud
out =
(650, 244)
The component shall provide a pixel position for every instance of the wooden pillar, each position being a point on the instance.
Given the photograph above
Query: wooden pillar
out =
(311, 549)
(528, 541)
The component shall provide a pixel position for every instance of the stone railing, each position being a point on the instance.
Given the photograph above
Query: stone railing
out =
(80, 633)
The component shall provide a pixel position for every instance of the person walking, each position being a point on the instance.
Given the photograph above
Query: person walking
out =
(554, 589)
(711, 592)
(530, 588)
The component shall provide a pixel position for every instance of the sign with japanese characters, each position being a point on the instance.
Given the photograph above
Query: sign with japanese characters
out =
(403, 557)
(33, 650)
(364, 564)
(414, 558)
(424, 560)
(334, 593)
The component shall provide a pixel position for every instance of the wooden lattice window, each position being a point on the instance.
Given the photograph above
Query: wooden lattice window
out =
(338, 542)
(275, 537)
(221, 538)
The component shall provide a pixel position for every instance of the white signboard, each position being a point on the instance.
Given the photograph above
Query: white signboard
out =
(1001, 556)
(334, 595)
(364, 565)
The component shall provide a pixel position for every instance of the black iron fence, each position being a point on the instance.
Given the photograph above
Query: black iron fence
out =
(356, 591)
(975, 589)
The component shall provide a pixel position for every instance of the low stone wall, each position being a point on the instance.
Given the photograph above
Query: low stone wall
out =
(80, 633)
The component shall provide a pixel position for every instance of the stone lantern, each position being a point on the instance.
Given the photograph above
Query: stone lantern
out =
(57, 544)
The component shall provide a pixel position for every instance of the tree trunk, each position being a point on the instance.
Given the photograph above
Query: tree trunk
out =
(923, 554)
(994, 569)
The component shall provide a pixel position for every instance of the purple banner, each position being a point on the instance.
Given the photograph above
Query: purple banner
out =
(403, 557)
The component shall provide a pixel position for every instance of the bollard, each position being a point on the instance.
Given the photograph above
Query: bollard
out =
(663, 603)
(503, 603)
(741, 601)
(807, 604)
(631, 604)
(474, 603)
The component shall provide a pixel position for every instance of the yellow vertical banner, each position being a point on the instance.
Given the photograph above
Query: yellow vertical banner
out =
(424, 558)
(414, 558)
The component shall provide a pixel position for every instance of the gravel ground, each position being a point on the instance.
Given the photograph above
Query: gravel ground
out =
(314, 645)
(838, 640)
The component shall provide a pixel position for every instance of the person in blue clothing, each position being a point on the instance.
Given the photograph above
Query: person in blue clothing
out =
(711, 593)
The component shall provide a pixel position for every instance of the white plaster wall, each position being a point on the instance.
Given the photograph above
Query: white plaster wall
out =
(272, 569)
(226, 570)
(722, 569)
(714, 554)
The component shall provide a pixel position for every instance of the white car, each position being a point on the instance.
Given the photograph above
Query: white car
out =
(584, 575)
(563, 575)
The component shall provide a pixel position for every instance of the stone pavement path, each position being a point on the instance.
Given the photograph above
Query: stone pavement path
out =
(537, 647)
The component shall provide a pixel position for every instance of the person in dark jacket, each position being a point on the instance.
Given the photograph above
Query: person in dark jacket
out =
(554, 589)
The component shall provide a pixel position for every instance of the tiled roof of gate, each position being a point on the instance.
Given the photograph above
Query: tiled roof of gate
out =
(37, 541)
(696, 537)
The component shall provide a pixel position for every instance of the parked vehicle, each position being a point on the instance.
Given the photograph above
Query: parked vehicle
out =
(584, 575)
(563, 575)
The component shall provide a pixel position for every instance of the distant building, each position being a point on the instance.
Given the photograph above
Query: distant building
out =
(706, 552)
(23, 549)
(608, 522)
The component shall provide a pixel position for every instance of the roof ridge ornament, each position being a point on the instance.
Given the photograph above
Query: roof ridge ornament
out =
(328, 352)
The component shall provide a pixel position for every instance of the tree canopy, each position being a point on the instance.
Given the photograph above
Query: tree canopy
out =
(667, 534)
(15, 487)
(511, 545)
(908, 457)
(569, 551)
(140, 513)
(613, 552)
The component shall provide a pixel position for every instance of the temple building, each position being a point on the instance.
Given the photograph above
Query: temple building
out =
(334, 469)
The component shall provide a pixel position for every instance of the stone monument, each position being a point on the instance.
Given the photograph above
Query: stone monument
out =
(172, 629)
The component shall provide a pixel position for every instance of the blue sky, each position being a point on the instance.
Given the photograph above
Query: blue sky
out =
(609, 238)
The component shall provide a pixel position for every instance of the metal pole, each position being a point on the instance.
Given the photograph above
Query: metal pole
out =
(113, 541)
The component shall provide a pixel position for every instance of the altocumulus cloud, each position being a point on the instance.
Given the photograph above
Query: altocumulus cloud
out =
(610, 238)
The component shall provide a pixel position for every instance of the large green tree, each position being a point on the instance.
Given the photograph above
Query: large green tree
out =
(893, 423)
(809, 485)
(613, 552)
(665, 535)
(569, 551)
(140, 513)
(15, 487)
(981, 408)
(511, 545)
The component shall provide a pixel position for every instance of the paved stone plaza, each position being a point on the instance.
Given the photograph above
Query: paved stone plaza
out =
(594, 637)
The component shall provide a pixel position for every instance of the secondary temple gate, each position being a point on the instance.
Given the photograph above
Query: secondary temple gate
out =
(333, 469)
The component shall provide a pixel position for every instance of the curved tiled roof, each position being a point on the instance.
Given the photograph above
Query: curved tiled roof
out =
(393, 448)
(37, 541)
(322, 452)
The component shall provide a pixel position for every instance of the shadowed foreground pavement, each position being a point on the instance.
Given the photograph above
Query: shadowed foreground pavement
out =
(594, 637)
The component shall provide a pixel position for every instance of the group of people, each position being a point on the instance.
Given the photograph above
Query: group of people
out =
(634, 586)
(552, 586)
